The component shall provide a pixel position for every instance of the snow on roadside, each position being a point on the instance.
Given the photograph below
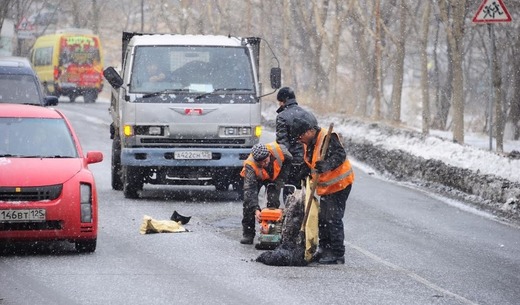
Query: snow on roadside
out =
(432, 147)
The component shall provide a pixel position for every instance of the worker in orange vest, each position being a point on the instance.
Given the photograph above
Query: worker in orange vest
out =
(267, 164)
(334, 184)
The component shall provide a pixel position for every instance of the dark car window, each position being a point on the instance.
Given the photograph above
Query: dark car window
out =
(36, 137)
(19, 88)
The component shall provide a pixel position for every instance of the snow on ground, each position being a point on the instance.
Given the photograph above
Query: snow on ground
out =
(474, 155)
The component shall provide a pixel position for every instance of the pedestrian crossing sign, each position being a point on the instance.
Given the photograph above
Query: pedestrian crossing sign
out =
(491, 11)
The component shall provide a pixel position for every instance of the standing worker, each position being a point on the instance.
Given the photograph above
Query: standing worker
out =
(267, 163)
(287, 112)
(334, 184)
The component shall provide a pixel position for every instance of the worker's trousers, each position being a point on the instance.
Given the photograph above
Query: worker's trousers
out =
(330, 223)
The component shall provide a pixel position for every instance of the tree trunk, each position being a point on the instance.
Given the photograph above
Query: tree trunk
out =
(497, 94)
(397, 87)
(455, 33)
(377, 102)
(424, 69)
(514, 112)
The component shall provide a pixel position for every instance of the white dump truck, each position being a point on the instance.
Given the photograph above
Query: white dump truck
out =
(185, 110)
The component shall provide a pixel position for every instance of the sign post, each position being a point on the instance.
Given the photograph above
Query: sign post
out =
(491, 11)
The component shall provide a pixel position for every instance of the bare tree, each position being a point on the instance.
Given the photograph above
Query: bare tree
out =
(453, 15)
(5, 7)
(400, 42)
(425, 87)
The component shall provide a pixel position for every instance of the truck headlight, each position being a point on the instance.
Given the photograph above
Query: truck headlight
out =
(258, 131)
(128, 130)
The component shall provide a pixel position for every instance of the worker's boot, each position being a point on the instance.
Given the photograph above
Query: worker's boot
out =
(247, 239)
(331, 260)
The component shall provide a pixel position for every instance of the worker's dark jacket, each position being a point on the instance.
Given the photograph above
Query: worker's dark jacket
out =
(285, 122)
(275, 172)
(255, 177)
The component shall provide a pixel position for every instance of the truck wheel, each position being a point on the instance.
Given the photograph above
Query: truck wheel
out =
(90, 96)
(238, 186)
(72, 97)
(133, 182)
(117, 181)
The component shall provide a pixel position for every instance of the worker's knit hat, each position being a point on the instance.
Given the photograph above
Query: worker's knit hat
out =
(259, 152)
(300, 126)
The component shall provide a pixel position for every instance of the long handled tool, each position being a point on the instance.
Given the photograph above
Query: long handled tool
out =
(314, 185)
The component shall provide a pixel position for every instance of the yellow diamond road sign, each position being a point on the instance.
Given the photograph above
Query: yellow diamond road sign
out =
(492, 11)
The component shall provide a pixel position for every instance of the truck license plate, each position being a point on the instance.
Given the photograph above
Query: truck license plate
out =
(22, 215)
(193, 155)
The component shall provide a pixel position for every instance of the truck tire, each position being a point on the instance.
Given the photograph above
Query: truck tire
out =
(117, 180)
(238, 186)
(90, 96)
(132, 182)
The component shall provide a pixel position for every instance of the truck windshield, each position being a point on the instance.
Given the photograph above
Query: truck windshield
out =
(191, 70)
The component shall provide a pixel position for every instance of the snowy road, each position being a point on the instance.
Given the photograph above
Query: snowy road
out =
(403, 246)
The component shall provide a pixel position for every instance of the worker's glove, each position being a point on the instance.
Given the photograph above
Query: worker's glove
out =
(257, 216)
(304, 172)
(321, 167)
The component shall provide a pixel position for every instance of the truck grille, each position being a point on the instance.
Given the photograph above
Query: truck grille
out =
(38, 193)
(193, 141)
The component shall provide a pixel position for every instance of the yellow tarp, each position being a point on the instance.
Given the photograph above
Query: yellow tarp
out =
(311, 227)
(150, 225)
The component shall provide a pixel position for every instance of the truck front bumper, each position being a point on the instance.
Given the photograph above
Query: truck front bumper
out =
(220, 157)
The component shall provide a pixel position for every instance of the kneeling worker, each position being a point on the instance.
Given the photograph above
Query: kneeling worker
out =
(267, 163)
(335, 177)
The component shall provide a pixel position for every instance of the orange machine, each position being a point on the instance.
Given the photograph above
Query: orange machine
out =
(271, 221)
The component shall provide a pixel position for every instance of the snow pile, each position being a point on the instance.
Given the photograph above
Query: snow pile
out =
(470, 172)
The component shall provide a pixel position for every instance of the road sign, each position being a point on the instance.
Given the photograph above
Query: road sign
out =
(25, 25)
(492, 11)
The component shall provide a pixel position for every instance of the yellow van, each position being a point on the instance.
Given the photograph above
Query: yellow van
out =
(70, 63)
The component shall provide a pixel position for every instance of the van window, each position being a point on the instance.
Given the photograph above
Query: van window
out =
(43, 56)
(79, 50)
(192, 69)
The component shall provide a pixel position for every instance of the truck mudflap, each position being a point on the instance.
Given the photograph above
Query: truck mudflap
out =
(188, 157)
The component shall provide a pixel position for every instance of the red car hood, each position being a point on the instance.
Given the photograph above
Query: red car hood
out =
(36, 171)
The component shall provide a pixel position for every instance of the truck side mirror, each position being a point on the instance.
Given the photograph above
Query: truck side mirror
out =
(276, 78)
(113, 77)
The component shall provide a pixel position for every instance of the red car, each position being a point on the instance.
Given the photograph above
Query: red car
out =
(47, 191)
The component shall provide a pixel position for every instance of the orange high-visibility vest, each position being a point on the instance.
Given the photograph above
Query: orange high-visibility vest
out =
(261, 173)
(334, 180)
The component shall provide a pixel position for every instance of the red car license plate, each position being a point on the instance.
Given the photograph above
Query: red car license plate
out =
(22, 215)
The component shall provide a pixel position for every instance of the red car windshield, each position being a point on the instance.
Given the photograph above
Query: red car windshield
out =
(36, 137)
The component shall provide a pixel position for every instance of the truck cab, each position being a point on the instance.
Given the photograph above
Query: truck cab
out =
(185, 110)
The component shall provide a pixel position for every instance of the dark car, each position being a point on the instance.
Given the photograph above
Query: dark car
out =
(19, 84)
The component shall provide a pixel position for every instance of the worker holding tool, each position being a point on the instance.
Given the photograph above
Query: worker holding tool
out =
(333, 176)
(267, 164)
(287, 112)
